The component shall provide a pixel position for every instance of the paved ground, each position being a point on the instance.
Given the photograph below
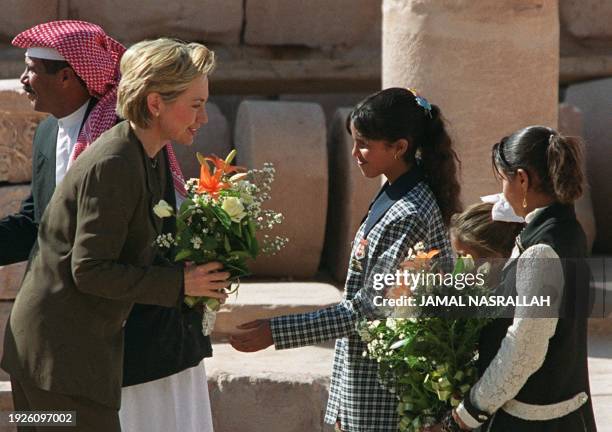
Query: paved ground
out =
(600, 372)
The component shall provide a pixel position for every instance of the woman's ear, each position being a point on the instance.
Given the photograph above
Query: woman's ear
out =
(154, 103)
(523, 179)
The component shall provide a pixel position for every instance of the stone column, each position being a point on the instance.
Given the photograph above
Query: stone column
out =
(492, 66)
(292, 136)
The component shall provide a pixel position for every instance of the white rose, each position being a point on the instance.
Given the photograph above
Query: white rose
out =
(468, 261)
(234, 208)
(162, 209)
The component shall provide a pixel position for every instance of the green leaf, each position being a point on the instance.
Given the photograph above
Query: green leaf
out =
(201, 158)
(182, 255)
(213, 304)
(459, 266)
(237, 230)
(223, 217)
(252, 230)
(185, 207)
(240, 254)
(226, 244)
(209, 243)
(254, 247)
(180, 225)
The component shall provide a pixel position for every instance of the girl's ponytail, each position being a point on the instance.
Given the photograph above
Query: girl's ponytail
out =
(564, 156)
(440, 165)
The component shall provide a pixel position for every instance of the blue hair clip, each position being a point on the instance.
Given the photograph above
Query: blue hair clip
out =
(421, 101)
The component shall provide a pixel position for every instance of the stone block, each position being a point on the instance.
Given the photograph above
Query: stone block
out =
(350, 194)
(16, 134)
(258, 300)
(11, 61)
(212, 138)
(6, 403)
(509, 84)
(5, 311)
(12, 97)
(586, 19)
(330, 102)
(269, 391)
(570, 124)
(11, 197)
(292, 136)
(593, 100)
(10, 280)
(19, 15)
(228, 104)
(201, 20)
(314, 23)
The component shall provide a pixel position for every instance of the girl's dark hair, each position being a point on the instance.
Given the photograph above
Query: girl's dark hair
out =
(476, 228)
(555, 159)
(395, 113)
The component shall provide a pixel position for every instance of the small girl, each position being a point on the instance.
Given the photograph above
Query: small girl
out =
(475, 233)
(398, 134)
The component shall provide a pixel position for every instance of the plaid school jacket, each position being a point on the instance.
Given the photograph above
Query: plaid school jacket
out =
(403, 214)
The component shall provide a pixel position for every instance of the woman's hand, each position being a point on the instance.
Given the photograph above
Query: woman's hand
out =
(458, 420)
(259, 337)
(206, 280)
(438, 427)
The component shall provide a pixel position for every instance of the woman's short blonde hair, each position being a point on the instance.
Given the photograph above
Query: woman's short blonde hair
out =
(164, 66)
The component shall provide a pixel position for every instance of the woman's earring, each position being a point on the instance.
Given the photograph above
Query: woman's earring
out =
(396, 157)
(525, 201)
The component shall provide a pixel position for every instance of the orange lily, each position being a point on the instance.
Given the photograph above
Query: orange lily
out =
(211, 183)
(222, 165)
(420, 261)
(429, 255)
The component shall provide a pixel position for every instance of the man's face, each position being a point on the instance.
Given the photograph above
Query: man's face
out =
(43, 89)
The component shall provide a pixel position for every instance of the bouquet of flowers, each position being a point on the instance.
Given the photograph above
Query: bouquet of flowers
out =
(427, 361)
(218, 221)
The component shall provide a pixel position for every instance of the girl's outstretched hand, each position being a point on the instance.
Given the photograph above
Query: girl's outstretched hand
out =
(258, 336)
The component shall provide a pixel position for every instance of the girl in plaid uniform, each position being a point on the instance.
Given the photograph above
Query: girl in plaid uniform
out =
(398, 134)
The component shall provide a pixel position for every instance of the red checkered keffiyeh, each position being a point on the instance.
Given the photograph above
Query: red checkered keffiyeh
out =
(95, 58)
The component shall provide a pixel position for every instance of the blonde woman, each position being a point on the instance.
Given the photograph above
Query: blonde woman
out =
(64, 342)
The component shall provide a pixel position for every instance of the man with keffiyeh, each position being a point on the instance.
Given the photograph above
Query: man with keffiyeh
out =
(72, 73)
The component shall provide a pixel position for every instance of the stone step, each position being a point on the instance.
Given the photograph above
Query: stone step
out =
(6, 403)
(287, 390)
(269, 391)
(266, 299)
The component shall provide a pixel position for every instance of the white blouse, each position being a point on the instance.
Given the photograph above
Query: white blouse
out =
(538, 273)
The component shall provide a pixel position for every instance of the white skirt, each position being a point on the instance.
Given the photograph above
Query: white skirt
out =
(178, 403)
